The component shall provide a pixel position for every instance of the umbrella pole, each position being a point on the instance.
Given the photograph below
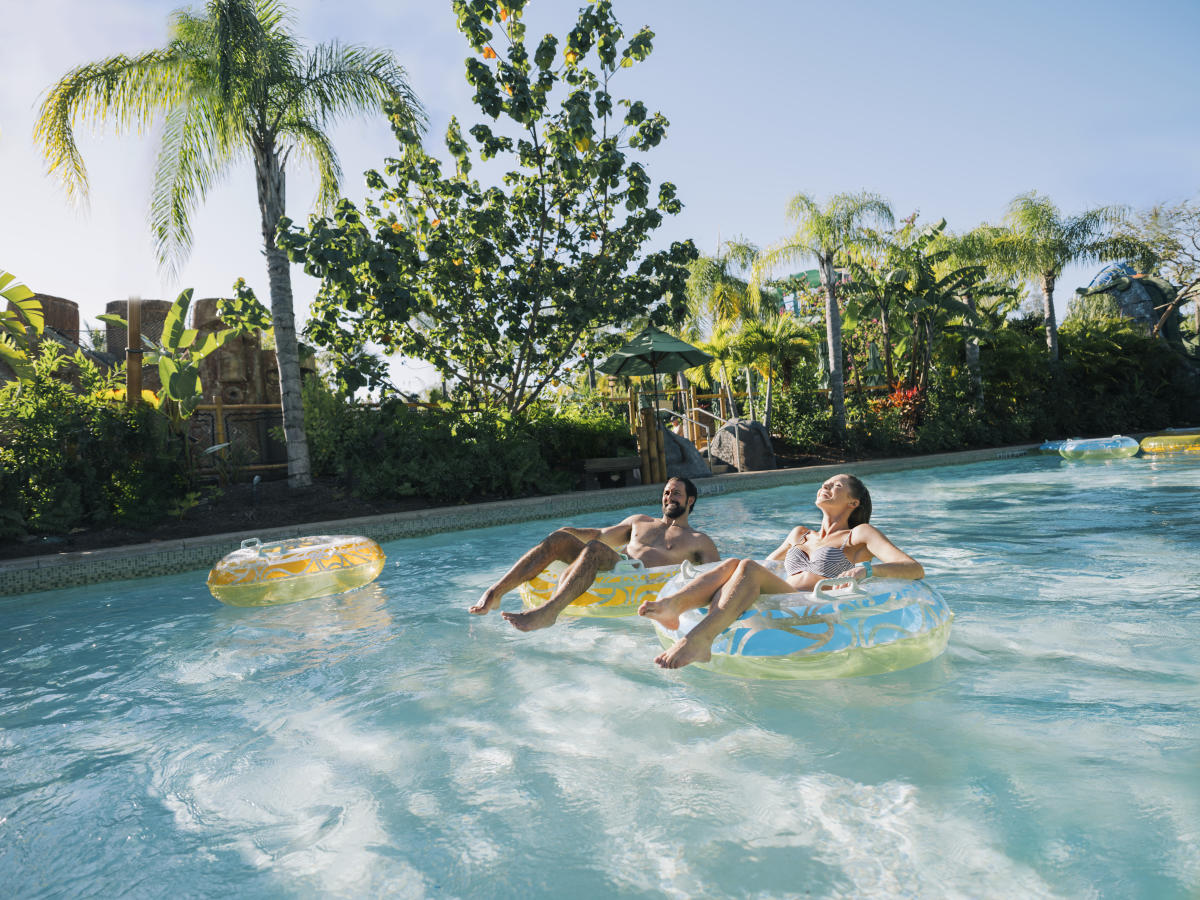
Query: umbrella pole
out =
(660, 451)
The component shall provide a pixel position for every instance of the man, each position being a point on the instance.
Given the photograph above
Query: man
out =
(655, 542)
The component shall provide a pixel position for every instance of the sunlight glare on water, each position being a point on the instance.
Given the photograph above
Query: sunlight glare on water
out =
(384, 742)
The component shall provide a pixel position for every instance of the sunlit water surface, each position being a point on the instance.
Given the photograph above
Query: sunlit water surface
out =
(384, 743)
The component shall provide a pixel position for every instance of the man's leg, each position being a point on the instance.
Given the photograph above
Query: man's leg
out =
(748, 581)
(695, 594)
(561, 545)
(572, 583)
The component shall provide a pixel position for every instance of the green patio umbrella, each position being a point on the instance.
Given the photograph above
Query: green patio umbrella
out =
(652, 351)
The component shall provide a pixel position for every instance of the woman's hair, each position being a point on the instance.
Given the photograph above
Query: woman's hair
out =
(858, 490)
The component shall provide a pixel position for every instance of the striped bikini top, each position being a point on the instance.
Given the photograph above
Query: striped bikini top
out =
(826, 561)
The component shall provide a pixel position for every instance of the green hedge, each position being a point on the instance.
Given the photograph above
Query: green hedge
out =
(71, 457)
(395, 450)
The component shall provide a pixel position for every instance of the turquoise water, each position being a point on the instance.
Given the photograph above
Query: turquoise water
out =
(385, 743)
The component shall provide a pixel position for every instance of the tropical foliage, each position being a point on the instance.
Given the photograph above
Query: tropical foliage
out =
(503, 286)
(232, 82)
(1038, 241)
(21, 321)
(830, 234)
(71, 457)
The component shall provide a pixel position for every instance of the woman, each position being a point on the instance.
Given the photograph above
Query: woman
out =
(844, 545)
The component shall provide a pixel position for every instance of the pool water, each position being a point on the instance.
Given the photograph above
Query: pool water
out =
(385, 743)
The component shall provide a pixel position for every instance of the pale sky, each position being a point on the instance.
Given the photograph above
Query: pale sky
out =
(949, 108)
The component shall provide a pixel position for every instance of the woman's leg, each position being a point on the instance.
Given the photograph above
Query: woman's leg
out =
(695, 594)
(749, 580)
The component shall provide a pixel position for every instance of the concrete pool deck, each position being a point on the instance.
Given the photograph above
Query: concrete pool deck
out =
(62, 570)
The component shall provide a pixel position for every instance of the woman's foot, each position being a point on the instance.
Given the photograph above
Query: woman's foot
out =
(665, 611)
(683, 653)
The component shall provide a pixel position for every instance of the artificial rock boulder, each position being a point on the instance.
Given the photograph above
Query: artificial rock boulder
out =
(683, 459)
(748, 438)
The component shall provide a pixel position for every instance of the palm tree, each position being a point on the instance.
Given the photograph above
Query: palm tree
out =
(233, 82)
(827, 233)
(768, 344)
(720, 346)
(1038, 241)
(716, 291)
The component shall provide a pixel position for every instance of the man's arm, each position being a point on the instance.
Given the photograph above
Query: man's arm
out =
(706, 551)
(615, 536)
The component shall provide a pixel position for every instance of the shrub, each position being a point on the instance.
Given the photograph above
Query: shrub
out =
(447, 455)
(70, 457)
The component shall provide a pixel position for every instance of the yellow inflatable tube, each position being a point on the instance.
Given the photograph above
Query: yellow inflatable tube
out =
(615, 593)
(261, 574)
(1179, 442)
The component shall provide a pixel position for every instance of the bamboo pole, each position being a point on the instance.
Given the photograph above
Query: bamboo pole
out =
(634, 428)
(660, 453)
(133, 352)
(644, 448)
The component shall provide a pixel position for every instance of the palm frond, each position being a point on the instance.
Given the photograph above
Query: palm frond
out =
(127, 91)
(199, 145)
(314, 146)
(337, 80)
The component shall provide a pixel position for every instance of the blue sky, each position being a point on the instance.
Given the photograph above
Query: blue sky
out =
(946, 108)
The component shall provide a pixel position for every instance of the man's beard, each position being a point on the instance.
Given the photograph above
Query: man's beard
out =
(673, 510)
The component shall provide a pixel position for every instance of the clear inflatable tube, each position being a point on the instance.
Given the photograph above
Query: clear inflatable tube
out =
(876, 625)
(1116, 447)
(259, 574)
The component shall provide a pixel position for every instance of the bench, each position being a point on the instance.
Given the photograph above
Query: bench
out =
(609, 471)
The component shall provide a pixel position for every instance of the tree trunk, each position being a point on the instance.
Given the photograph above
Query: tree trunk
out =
(885, 325)
(767, 402)
(728, 384)
(972, 351)
(833, 333)
(749, 393)
(269, 175)
(1048, 311)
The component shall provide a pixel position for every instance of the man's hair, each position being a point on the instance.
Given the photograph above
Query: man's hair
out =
(689, 490)
(858, 490)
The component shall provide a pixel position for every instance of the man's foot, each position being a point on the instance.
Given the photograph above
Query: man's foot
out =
(531, 619)
(485, 603)
(684, 653)
(664, 611)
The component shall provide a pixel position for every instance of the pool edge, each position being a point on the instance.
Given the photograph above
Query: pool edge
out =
(35, 574)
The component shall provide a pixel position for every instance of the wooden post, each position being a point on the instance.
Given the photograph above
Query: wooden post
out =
(133, 352)
(645, 447)
(634, 427)
(660, 453)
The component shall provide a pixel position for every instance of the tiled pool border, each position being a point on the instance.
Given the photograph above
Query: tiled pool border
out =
(53, 571)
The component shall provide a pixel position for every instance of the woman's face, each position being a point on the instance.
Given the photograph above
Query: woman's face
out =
(833, 496)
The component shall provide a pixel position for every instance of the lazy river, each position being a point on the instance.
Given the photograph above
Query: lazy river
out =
(154, 742)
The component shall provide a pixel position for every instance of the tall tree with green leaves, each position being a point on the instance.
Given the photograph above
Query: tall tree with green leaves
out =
(503, 286)
(829, 234)
(1038, 241)
(233, 82)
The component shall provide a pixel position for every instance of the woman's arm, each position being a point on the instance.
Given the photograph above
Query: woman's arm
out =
(893, 562)
(795, 536)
